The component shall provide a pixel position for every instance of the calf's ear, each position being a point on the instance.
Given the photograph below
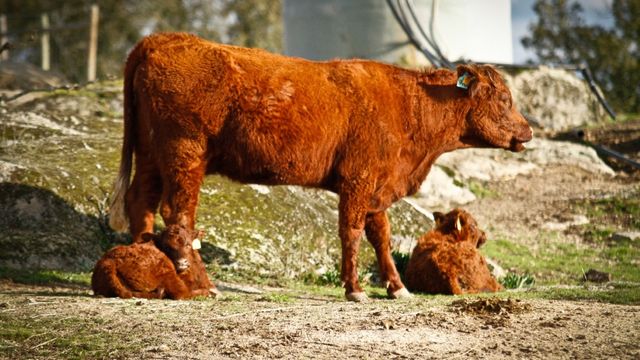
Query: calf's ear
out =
(458, 224)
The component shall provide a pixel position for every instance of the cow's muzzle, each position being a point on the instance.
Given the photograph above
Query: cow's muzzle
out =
(182, 265)
(517, 143)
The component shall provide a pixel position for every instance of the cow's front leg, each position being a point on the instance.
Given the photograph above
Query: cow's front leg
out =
(351, 226)
(378, 233)
(181, 181)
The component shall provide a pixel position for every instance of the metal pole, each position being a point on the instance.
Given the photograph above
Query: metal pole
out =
(44, 39)
(3, 38)
(93, 44)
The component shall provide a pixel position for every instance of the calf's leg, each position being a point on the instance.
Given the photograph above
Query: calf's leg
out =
(378, 233)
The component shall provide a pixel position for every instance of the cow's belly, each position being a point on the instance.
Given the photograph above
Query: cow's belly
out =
(274, 152)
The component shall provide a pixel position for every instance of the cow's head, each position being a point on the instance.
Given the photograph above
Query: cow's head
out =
(179, 244)
(492, 120)
(461, 225)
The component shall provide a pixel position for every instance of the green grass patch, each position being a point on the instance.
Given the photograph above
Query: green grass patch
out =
(481, 190)
(68, 338)
(46, 277)
(613, 293)
(516, 281)
(623, 211)
(276, 298)
(561, 263)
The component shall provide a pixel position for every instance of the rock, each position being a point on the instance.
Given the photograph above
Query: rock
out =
(496, 164)
(439, 192)
(558, 99)
(22, 75)
(572, 220)
(626, 236)
(596, 276)
(497, 271)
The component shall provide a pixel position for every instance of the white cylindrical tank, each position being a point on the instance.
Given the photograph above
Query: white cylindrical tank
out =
(326, 29)
(479, 31)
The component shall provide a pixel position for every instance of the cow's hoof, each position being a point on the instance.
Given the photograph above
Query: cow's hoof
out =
(215, 293)
(357, 297)
(401, 294)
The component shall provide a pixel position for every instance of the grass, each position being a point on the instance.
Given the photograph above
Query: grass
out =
(276, 298)
(46, 277)
(480, 190)
(69, 338)
(613, 293)
(516, 281)
(561, 263)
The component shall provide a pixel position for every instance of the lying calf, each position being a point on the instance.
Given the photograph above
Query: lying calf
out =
(446, 259)
(145, 270)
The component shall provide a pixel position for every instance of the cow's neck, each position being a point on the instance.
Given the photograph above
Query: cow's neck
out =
(440, 122)
(439, 126)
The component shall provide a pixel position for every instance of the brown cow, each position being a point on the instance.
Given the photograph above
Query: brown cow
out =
(145, 270)
(362, 129)
(446, 259)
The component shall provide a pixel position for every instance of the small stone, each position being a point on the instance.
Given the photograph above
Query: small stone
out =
(596, 276)
(626, 236)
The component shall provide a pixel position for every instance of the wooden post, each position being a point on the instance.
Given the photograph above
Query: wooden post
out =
(93, 44)
(44, 39)
(3, 37)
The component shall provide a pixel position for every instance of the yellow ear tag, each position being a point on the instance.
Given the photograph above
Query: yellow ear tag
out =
(463, 81)
(196, 245)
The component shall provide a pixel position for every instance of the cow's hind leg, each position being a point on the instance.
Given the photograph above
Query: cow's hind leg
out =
(378, 233)
(142, 199)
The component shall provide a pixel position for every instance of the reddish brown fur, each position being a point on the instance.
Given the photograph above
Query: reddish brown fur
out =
(142, 270)
(364, 130)
(446, 260)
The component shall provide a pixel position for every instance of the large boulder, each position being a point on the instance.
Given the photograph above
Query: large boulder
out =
(557, 99)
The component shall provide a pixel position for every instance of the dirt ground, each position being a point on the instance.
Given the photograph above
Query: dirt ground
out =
(67, 322)
(321, 327)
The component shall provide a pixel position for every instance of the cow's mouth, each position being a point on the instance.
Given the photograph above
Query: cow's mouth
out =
(517, 142)
(517, 146)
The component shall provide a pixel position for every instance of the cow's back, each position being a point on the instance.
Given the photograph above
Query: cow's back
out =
(264, 118)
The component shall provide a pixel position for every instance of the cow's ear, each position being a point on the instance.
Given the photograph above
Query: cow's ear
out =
(470, 80)
(467, 75)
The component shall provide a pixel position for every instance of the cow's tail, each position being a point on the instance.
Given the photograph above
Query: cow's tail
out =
(118, 219)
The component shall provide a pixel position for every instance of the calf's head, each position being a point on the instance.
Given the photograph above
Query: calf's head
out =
(461, 226)
(492, 119)
(179, 244)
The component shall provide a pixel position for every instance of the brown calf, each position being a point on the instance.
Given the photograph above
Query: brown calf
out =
(446, 259)
(365, 130)
(145, 270)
